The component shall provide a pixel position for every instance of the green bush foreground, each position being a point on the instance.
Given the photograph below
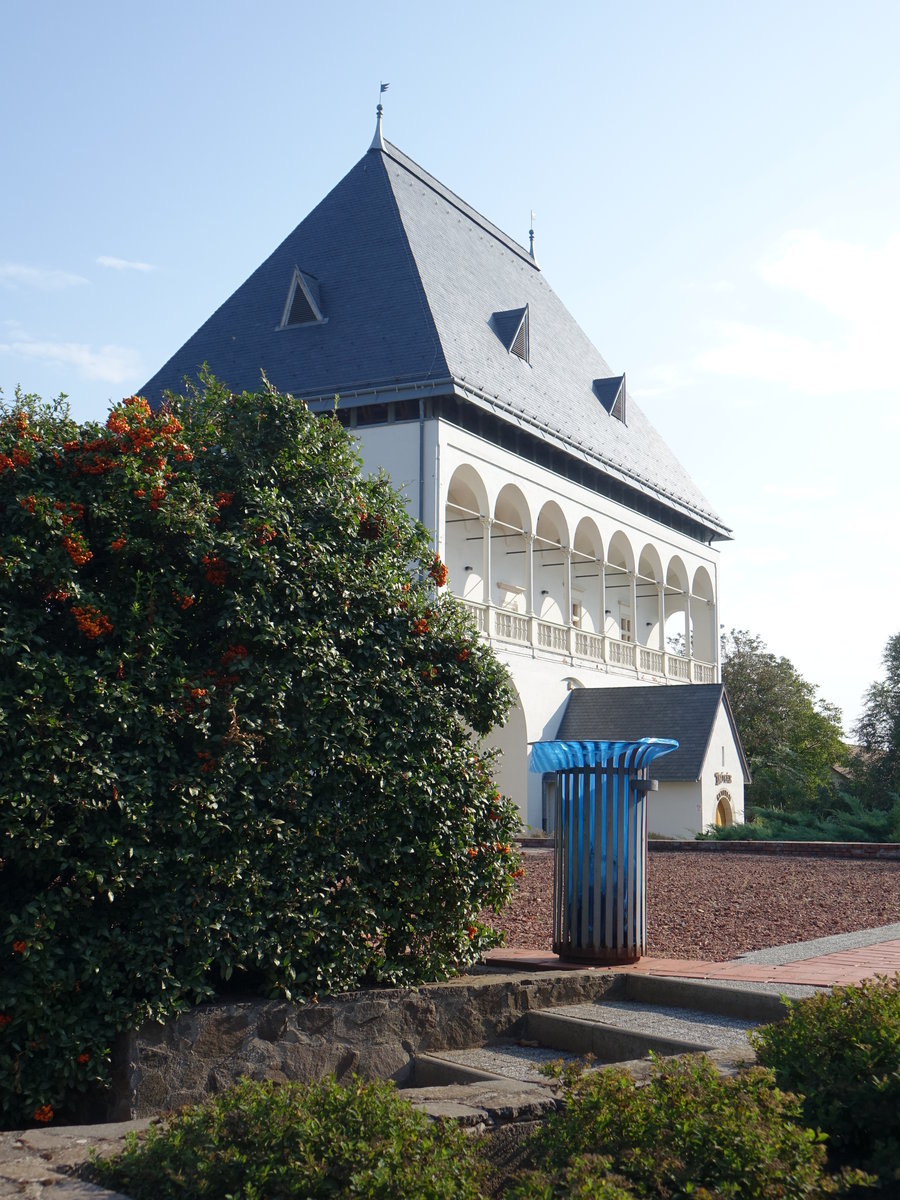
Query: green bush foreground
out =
(292, 1142)
(841, 1051)
(686, 1133)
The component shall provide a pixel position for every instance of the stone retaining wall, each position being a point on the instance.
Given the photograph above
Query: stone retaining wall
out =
(874, 850)
(374, 1034)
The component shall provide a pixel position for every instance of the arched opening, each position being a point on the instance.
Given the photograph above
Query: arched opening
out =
(703, 618)
(467, 505)
(724, 811)
(677, 619)
(587, 581)
(511, 767)
(551, 565)
(508, 549)
(618, 582)
(648, 596)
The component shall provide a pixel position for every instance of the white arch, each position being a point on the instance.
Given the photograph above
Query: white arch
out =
(467, 504)
(588, 600)
(677, 608)
(512, 521)
(619, 588)
(703, 616)
(551, 564)
(648, 596)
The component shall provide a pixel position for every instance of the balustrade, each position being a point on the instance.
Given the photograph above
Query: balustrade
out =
(589, 645)
(479, 615)
(619, 654)
(651, 660)
(677, 668)
(704, 673)
(552, 637)
(511, 626)
(562, 639)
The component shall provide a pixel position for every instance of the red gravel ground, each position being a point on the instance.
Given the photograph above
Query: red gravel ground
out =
(715, 907)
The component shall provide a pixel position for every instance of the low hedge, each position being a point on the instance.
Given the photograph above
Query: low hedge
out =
(688, 1132)
(262, 1141)
(841, 1050)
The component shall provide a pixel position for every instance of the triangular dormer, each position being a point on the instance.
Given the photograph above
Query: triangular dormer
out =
(303, 305)
(511, 327)
(611, 394)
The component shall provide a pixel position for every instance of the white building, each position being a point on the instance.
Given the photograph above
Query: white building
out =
(583, 550)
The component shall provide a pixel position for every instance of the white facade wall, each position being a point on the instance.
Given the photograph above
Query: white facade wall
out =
(676, 810)
(436, 464)
(723, 775)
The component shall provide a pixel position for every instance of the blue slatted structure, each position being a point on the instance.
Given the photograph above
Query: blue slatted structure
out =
(599, 884)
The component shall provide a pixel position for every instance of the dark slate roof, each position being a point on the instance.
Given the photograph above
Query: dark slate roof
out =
(411, 282)
(686, 713)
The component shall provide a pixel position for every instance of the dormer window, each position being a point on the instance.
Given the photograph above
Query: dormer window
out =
(303, 305)
(611, 394)
(511, 327)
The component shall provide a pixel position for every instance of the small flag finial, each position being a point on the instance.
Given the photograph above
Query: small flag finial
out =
(378, 140)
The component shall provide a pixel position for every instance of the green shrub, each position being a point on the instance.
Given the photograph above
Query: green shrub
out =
(236, 711)
(842, 819)
(841, 1050)
(264, 1140)
(687, 1132)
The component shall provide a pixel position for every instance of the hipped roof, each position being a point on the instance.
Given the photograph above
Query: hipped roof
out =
(409, 277)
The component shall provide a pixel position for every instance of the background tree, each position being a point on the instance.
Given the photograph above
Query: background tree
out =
(791, 737)
(237, 715)
(878, 733)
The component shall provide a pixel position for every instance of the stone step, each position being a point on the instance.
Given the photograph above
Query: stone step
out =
(757, 1003)
(650, 1014)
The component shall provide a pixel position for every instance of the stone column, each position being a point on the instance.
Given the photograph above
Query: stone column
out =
(601, 586)
(687, 631)
(529, 587)
(567, 585)
(661, 609)
(529, 573)
(486, 525)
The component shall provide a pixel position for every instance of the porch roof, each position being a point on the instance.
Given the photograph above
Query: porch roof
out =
(686, 713)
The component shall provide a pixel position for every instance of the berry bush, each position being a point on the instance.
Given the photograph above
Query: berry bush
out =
(239, 718)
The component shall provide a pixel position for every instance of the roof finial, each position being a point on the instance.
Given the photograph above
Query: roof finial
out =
(531, 238)
(378, 140)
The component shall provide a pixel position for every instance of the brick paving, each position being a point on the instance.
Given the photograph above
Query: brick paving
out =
(826, 970)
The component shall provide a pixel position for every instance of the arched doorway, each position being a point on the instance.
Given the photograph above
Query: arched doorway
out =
(724, 812)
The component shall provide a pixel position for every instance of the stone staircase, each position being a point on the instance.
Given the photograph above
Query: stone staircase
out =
(491, 1086)
(500, 1082)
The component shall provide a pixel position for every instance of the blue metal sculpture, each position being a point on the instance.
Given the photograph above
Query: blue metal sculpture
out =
(599, 885)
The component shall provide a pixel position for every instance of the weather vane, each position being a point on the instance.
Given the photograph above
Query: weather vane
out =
(377, 140)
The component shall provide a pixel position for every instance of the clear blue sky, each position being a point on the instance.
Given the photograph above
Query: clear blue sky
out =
(717, 189)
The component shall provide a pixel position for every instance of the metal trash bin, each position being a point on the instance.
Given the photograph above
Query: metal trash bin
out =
(599, 882)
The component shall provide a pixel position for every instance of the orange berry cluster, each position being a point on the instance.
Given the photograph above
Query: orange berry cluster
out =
(91, 621)
(76, 548)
